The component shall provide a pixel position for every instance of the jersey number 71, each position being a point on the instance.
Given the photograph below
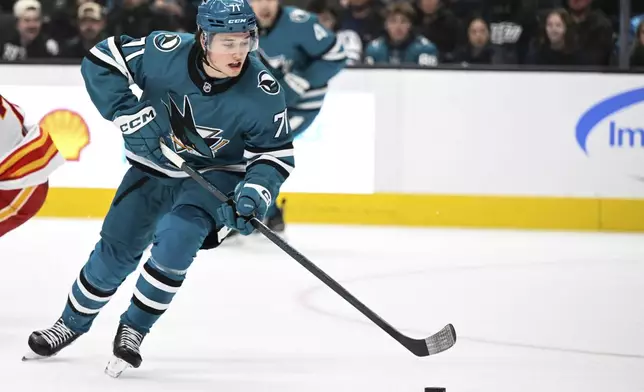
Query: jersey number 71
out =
(282, 118)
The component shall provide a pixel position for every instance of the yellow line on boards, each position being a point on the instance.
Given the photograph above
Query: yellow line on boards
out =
(410, 210)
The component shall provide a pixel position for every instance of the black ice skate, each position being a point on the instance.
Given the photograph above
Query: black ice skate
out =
(127, 343)
(48, 342)
(276, 222)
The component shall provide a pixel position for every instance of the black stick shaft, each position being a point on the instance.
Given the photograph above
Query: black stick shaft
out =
(300, 258)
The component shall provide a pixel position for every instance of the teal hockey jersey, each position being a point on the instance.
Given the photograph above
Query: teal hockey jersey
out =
(415, 50)
(303, 56)
(243, 120)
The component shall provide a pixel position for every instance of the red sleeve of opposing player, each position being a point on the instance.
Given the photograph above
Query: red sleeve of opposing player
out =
(5, 106)
(29, 158)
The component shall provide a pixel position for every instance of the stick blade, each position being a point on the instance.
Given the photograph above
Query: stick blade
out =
(437, 343)
(441, 340)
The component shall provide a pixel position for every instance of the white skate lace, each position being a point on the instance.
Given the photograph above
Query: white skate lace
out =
(131, 339)
(57, 334)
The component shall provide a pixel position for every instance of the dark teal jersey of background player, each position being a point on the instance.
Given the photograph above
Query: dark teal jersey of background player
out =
(415, 50)
(242, 119)
(297, 44)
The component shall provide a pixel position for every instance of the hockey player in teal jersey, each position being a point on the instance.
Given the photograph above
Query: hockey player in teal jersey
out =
(218, 107)
(400, 45)
(303, 55)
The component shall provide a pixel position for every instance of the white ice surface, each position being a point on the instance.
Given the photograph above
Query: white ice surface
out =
(534, 311)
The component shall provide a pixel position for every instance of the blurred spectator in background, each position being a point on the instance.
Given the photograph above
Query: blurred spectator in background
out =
(174, 14)
(637, 56)
(557, 43)
(594, 31)
(400, 44)
(59, 19)
(500, 31)
(328, 16)
(28, 41)
(134, 18)
(62, 18)
(436, 22)
(478, 49)
(365, 17)
(466, 9)
(532, 18)
(91, 30)
(511, 29)
(612, 8)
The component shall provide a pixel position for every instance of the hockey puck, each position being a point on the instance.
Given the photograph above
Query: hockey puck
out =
(430, 389)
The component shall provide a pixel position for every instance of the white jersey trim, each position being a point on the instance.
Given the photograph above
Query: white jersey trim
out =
(180, 173)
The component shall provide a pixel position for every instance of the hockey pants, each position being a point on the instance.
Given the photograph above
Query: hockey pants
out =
(175, 216)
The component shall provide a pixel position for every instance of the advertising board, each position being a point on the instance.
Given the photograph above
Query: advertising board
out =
(520, 133)
(336, 155)
(465, 148)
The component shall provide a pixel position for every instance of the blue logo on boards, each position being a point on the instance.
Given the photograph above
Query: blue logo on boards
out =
(619, 136)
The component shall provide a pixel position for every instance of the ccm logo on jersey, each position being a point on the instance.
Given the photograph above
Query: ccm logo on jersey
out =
(131, 123)
(267, 83)
(167, 42)
(236, 21)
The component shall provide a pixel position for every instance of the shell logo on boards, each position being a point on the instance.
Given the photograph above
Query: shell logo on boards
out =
(68, 130)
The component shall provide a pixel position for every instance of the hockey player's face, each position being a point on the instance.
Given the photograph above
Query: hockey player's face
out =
(227, 52)
(266, 11)
(398, 26)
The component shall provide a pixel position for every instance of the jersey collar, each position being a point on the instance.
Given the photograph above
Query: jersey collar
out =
(206, 84)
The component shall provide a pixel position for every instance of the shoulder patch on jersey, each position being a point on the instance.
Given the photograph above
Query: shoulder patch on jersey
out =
(167, 42)
(299, 16)
(267, 83)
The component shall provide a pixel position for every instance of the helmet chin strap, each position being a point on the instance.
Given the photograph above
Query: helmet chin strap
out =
(207, 62)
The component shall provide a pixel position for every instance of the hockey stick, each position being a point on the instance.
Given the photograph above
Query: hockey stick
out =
(439, 342)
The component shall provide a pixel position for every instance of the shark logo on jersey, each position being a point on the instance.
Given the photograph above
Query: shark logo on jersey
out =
(267, 83)
(167, 42)
(189, 137)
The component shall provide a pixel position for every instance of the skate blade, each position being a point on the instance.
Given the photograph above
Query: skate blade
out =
(232, 241)
(116, 366)
(32, 356)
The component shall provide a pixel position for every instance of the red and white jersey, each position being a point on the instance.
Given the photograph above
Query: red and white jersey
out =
(28, 156)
